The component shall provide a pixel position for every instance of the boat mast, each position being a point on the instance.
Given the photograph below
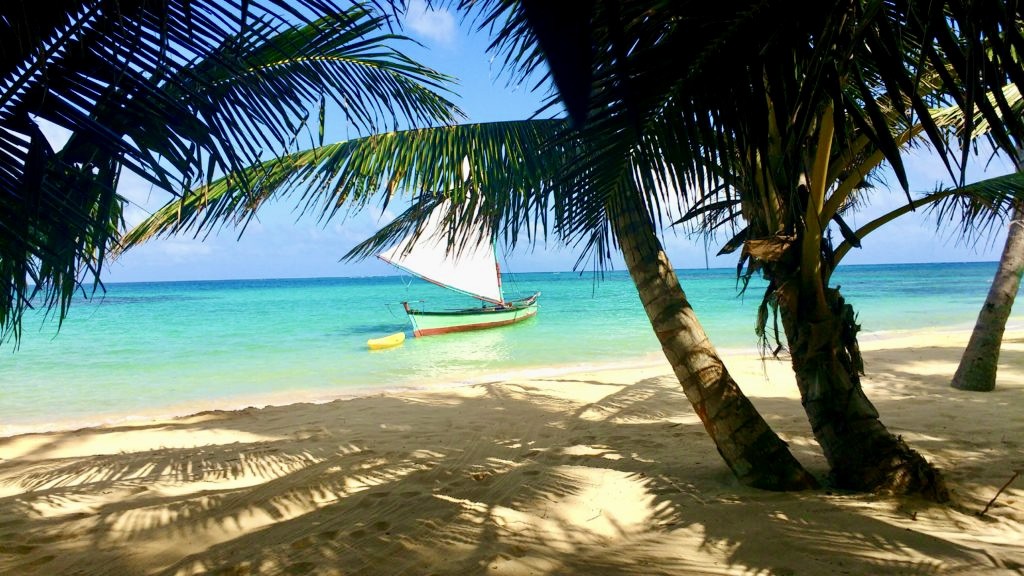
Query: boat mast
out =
(497, 269)
(501, 292)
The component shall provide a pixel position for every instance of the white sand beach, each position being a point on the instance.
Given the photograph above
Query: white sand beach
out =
(600, 472)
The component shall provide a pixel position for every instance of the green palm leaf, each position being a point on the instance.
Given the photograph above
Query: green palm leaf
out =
(180, 92)
(513, 179)
(520, 174)
(975, 207)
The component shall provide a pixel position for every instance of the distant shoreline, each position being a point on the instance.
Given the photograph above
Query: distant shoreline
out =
(156, 350)
(733, 357)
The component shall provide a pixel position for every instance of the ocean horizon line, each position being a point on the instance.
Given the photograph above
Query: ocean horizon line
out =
(398, 274)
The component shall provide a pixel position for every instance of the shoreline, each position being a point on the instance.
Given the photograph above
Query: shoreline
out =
(597, 472)
(868, 341)
(285, 398)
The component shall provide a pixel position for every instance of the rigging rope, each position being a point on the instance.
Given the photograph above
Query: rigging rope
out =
(512, 277)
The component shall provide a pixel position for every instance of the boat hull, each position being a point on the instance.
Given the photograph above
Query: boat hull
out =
(432, 323)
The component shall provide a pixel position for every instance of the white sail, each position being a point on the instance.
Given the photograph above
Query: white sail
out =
(470, 268)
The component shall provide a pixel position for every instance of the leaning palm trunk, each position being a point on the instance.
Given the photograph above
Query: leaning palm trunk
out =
(756, 455)
(978, 365)
(790, 245)
(862, 453)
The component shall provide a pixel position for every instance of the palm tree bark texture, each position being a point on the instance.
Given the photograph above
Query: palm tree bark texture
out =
(756, 455)
(821, 333)
(788, 214)
(979, 363)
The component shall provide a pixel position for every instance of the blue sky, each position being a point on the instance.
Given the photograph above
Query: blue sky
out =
(281, 245)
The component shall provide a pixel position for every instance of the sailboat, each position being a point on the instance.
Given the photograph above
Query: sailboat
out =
(471, 269)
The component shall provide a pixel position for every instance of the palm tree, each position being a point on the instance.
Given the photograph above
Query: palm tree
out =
(980, 360)
(756, 92)
(178, 91)
(762, 94)
(824, 351)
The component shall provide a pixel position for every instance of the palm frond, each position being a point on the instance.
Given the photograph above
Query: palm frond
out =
(975, 208)
(978, 207)
(180, 92)
(736, 65)
(953, 116)
(355, 65)
(519, 172)
(523, 58)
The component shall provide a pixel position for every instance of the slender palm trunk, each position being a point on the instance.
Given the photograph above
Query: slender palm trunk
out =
(862, 453)
(756, 455)
(978, 365)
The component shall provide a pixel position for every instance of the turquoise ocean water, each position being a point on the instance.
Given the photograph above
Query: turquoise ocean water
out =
(156, 349)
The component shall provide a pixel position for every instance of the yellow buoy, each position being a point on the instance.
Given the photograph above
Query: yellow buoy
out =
(391, 341)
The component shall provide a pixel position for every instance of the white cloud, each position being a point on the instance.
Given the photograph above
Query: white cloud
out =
(436, 25)
(183, 248)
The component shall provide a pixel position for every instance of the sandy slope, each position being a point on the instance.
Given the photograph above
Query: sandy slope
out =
(607, 472)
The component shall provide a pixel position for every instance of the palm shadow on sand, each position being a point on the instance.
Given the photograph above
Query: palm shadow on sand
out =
(449, 484)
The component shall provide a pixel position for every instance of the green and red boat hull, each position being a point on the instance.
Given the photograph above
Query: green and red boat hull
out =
(432, 323)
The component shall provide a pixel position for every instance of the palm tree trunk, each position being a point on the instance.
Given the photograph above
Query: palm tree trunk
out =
(978, 365)
(862, 453)
(756, 455)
